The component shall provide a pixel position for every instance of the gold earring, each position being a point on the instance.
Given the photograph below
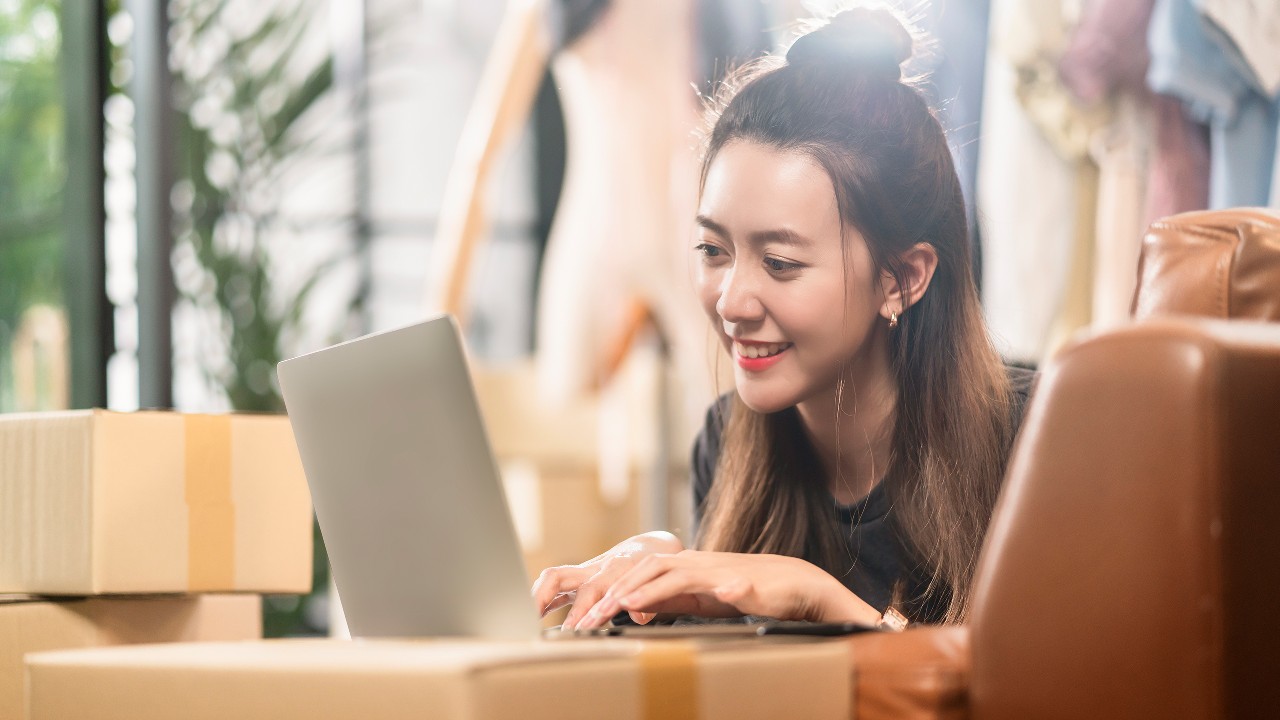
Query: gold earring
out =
(893, 319)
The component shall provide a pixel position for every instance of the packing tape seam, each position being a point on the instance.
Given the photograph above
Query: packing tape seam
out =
(669, 681)
(211, 524)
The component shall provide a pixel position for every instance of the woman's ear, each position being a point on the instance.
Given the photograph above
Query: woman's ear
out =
(917, 265)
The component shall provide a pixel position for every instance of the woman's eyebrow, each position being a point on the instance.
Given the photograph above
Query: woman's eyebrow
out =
(779, 237)
(712, 225)
(760, 237)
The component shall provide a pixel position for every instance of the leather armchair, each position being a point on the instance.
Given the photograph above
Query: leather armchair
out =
(1130, 569)
(1217, 263)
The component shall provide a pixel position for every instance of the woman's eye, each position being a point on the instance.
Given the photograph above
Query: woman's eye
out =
(708, 250)
(776, 265)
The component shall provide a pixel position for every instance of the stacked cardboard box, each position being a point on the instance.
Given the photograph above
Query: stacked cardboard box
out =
(447, 680)
(95, 502)
(29, 624)
(550, 462)
(126, 528)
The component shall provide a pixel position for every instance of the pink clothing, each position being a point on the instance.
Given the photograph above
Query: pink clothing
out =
(1178, 179)
(1107, 50)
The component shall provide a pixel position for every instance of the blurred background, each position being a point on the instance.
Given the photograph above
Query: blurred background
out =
(194, 190)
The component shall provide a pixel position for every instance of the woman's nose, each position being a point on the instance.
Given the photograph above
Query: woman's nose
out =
(739, 298)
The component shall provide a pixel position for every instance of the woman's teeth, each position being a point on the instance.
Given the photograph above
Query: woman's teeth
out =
(759, 351)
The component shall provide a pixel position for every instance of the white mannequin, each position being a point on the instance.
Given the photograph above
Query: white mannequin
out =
(620, 241)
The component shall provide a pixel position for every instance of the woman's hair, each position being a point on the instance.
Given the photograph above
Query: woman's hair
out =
(839, 99)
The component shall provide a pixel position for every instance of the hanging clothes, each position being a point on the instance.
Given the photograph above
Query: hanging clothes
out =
(1035, 182)
(1254, 27)
(1178, 177)
(1105, 64)
(1194, 60)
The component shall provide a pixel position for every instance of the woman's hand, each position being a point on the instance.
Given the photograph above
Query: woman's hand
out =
(716, 584)
(585, 583)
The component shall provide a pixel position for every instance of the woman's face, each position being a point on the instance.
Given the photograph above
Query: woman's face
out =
(791, 309)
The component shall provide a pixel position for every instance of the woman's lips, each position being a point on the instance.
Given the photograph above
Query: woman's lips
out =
(771, 352)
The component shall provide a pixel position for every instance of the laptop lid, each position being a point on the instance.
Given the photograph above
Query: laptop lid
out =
(405, 487)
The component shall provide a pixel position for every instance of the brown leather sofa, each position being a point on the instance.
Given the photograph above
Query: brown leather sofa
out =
(1132, 567)
(1217, 263)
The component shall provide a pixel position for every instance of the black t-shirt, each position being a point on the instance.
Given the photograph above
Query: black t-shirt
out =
(878, 557)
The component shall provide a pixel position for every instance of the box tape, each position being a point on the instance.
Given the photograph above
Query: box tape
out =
(669, 681)
(211, 525)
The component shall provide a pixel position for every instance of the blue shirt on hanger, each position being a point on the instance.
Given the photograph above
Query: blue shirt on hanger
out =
(1194, 60)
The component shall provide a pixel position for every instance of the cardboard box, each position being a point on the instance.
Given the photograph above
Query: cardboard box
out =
(96, 502)
(560, 517)
(447, 680)
(32, 625)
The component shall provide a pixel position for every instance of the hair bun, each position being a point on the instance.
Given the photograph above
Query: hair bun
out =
(864, 38)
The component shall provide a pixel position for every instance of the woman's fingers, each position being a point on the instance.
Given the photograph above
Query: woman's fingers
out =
(607, 605)
(555, 582)
(589, 594)
(559, 601)
(642, 618)
(584, 584)
(644, 571)
(674, 590)
(600, 606)
(660, 583)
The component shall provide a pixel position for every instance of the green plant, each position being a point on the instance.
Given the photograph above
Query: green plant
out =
(32, 167)
(239, 131)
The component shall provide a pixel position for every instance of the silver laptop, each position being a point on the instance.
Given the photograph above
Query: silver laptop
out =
(406, 488)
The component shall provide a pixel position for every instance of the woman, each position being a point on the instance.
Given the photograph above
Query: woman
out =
(853, 473)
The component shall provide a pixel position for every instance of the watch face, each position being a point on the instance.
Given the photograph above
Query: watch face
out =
(893, 620)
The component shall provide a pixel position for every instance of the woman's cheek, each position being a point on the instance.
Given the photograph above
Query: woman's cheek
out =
(708, 288)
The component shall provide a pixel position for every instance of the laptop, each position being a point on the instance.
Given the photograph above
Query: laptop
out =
(405, 487)
(408, 495)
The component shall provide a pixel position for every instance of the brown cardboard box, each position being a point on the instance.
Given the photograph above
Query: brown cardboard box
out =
(560, 517)
(34, 625)
(521, 424)
(98, 502)
(447, 680)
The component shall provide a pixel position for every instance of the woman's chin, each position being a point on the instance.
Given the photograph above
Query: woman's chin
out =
(764, 402)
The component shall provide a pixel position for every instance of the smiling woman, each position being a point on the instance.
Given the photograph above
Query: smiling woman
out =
(852, 473)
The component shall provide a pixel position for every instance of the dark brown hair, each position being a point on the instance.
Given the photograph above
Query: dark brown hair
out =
(839, 99)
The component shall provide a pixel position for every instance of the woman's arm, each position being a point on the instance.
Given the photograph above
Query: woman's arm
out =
(715, 584)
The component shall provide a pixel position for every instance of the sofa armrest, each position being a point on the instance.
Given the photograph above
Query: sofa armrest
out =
(921, 673)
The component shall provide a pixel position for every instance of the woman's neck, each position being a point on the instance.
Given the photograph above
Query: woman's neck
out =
(853, 439)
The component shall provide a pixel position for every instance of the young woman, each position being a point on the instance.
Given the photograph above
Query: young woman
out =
(856, 466)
